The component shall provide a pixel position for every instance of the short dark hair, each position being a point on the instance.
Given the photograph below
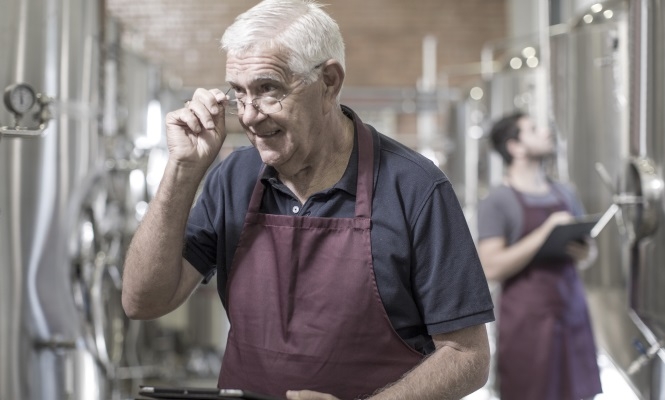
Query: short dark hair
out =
(502, 131)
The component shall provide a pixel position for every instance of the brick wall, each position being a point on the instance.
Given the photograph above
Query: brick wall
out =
(384, 37)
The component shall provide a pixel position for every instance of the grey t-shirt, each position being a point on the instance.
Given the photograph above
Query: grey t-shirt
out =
(500, 212)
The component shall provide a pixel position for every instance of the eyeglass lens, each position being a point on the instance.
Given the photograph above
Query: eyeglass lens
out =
(265, 105)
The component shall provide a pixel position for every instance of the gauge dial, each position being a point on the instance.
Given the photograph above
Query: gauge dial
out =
(19, 98)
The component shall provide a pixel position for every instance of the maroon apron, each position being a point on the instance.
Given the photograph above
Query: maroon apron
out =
(303, 304)
(546, 349)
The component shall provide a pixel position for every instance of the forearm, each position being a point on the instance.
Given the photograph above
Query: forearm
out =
(450, 373)
(153, 267)
(502, 262)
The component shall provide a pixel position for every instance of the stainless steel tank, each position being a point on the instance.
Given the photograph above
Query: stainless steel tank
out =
(614, 134)
(643, 179)
(45, 352)
(517, 77)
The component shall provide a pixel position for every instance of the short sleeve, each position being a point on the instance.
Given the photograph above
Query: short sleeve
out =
(201, 238)
(491, 218)
(449, 280)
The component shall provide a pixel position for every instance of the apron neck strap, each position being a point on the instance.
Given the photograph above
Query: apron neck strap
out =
(365, 182)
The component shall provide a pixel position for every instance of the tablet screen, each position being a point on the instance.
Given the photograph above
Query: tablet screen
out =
(555, 244)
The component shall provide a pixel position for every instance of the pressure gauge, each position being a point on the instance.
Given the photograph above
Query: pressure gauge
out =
(19, 98)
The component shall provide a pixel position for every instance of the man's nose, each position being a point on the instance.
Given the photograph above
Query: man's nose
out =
(252, 113)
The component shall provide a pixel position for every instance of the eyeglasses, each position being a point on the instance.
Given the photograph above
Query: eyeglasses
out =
(264, 104)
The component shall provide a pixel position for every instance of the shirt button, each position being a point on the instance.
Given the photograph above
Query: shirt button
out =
(295, 209)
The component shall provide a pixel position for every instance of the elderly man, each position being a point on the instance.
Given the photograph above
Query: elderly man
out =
(343, 259)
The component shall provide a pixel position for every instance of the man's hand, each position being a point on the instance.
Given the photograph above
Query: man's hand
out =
(579, 251)
(557, 218)
(308, 395)
(195, 133)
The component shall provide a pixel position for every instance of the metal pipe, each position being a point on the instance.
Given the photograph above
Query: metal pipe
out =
(427, 116)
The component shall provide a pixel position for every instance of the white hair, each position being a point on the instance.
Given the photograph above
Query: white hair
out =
(299, 28)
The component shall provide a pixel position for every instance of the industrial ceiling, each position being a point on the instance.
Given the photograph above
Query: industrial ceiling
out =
(182, 36)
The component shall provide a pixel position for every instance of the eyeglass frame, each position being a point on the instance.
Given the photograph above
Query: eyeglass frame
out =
(254, 103)
(256, 106)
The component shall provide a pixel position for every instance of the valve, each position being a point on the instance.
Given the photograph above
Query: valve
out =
(643, 190)
(614, 209)
(644, 183)
(646, 355)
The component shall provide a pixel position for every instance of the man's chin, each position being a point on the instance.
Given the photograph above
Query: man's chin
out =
(271, 158)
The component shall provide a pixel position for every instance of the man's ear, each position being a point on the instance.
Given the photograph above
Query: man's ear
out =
(333, 78)
(514, 147)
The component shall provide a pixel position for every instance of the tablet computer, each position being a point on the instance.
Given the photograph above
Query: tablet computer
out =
(159, 392)
(555, 244)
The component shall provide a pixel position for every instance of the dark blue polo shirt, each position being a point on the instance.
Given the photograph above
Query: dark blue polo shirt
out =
(425, 262)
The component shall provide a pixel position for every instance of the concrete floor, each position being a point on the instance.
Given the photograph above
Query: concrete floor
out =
(614, 384)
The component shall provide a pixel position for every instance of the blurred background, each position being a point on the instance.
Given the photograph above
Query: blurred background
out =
(87, 85)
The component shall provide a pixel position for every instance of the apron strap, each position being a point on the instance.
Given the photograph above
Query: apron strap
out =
(553, 189)
(365, 184)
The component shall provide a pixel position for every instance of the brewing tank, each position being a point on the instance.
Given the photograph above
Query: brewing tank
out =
(614, 136)
(52, 46)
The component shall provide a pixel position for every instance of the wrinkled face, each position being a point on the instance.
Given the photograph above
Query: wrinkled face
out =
(535, 142)
(286, 138)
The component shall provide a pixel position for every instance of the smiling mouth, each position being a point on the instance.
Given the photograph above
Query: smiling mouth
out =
(267, 134)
